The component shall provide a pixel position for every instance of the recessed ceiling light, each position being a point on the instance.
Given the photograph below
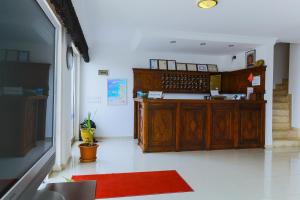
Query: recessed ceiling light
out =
(203, 43)
(231, 45)
(173, 42)
(207, 4)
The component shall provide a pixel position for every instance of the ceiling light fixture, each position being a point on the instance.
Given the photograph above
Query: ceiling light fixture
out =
(207, 4)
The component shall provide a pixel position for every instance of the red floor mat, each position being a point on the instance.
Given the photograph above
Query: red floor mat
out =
(136, 184)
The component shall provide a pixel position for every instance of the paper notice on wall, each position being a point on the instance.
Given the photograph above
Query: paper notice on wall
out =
(250, 90)
(214, 93)
(256, 81)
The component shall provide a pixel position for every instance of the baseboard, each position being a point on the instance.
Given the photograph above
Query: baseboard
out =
(267, 147)
(112, 137)
(296, 129)
(56, 168)
(61, 167)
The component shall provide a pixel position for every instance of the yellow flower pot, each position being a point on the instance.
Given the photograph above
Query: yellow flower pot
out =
(86, 135)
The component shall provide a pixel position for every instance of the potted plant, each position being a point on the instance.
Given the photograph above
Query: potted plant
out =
(84, 124)
(88, 149)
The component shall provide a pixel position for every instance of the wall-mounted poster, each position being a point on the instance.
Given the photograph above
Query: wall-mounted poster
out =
(117, 92)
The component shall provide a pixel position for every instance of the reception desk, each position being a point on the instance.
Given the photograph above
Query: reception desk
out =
(182, 125)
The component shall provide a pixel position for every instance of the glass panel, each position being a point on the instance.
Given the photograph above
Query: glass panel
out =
(27, 57)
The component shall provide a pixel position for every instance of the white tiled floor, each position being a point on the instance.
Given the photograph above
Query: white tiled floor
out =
(214, 175)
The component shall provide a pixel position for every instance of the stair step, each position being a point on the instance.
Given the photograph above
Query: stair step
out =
(277, 143)
(285, 81)
(281, 112)
(281, 119)
(277, 105)
(282, 86)
(281, 99)
(281, 126)
(280, 92)
(286, 134)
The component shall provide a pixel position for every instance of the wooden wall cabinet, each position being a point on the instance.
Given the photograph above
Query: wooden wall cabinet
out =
(196, 82)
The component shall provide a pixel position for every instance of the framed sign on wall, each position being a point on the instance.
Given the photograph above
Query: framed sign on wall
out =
(117, 92)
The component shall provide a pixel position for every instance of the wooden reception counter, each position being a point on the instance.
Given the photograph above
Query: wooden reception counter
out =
(180, 125)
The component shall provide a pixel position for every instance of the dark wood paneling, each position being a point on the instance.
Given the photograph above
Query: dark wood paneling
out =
(147, 80)
(67, 13)
(222, 135)
(177, 125)
(23, 117)
(28, 129)
(250, 125)
(21, 124)
(237, 81)
(192, 126)
(41, 119)
(162, 127)
(171, 81)
(195, 82)
(29, 76)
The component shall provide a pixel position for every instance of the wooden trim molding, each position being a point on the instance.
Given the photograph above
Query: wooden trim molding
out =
(66, 12)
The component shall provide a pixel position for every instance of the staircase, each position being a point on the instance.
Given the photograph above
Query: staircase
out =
(283, 134)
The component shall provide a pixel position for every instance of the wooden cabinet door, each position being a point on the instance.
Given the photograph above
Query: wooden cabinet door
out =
(222, 130)
(162, 127)
(192, 126)
(250, 126)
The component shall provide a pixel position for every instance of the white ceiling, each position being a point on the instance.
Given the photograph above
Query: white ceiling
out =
(192, 46)
(151, 25)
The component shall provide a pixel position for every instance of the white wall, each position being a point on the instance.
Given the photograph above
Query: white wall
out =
(266, 52)
(281, 62)
(294, 83)
(117, 121)
(238, 63)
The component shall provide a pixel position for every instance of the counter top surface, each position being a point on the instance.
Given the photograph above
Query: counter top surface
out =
(145, 100)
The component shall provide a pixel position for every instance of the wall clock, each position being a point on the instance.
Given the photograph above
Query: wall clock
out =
(70, 58)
